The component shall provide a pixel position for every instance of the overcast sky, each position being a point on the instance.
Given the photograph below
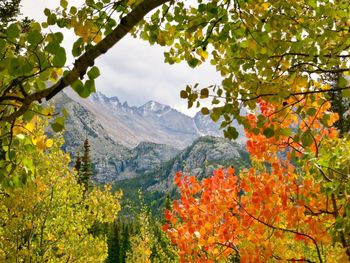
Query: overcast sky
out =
(134, 71)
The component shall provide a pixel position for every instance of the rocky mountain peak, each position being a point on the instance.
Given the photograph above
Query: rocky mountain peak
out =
(99, 97)
(154, 107)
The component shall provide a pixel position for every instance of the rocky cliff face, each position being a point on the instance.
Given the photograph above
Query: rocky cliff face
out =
(201, 158)
(108, 156)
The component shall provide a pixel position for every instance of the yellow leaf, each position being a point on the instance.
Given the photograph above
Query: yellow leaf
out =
(49, 143)
(204, 54)
(40, 143)
(208, 226)
(265, 6)
(97, 38)
(211, 240)
(29, 126)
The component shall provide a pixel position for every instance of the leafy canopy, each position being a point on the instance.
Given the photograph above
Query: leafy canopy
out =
(44, 214)
(292, 205)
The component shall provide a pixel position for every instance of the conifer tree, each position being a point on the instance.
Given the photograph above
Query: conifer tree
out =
(9, 10)
(77, 165)
(114, 244)
(168, 202)
(85, 167)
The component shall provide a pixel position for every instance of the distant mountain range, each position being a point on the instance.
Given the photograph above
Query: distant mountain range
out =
(145, 144)
(151, 122)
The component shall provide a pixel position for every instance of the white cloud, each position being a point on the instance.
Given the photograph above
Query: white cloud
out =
(134, 71)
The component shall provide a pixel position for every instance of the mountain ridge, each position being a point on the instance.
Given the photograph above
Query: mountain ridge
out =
(152, 121)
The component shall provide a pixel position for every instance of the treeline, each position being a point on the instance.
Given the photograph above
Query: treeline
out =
(139, 238)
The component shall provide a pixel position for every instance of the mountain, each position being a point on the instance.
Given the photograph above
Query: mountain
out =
(108, 156)
(200, 159)
(151, 122)
(129, 142)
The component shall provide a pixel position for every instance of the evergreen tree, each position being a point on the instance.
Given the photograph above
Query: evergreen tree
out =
(126, 246)
(85, 168)
(77, 165)
(9, 10)
(167, 201)
(340, 103)
(114, 244)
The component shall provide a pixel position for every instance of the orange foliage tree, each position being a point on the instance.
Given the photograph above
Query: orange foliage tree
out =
(291, 205)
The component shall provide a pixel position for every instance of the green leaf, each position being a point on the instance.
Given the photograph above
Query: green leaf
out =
(193, 62)
(64, 3)
(13, 30)
(47, 11)
(311, 112)
(342, 83)
(93, 73)
(215, 116)
(28, 115)
(34, 38)
(2, 44)
(307, 139)
(90, 86)
(231, 133)
(77, 47)
(60, 120)
(78, 87)
(58, 37)
(346, 93)
(286, 132)
(58, 125)
(261, 121)
(269, 132)
(60, 57)
(204, 93)
(73, 10)
(183, 94)
(256, 131)
(52, 47)
(205, 111)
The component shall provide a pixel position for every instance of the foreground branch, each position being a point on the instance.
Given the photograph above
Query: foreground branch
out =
(88, 58)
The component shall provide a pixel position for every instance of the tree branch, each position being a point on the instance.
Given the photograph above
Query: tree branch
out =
(88, 58)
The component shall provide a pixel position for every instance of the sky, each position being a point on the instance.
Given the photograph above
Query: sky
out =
(133, 70)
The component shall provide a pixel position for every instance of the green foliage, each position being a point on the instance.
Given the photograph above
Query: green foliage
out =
(84, 168)
(332, 168)
(44, 217)
(149, 243)
(263, 51)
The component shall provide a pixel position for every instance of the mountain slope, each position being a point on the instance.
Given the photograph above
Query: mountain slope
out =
(152, 122)
(199, 159)
(111, 160)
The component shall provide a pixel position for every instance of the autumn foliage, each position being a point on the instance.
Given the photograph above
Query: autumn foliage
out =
(288, 206)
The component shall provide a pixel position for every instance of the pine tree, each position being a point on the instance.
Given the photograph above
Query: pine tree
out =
(85, 168)
(167, 204)
(77, 165)
(114, 244)
(9, 10)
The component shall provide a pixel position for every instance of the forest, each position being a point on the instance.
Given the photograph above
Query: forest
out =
(286, 63)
